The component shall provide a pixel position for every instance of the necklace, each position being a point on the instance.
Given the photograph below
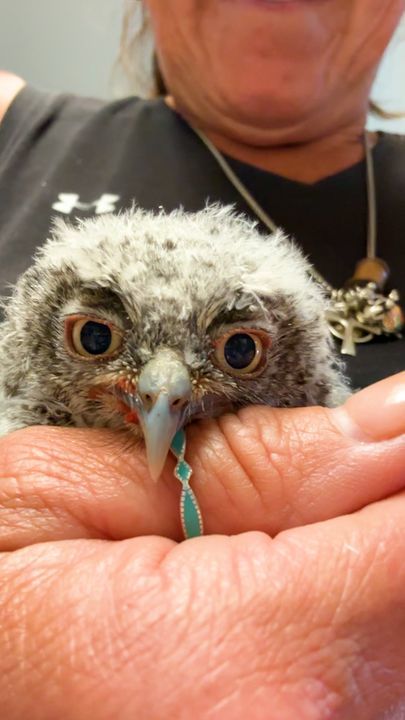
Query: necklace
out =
(359, 310)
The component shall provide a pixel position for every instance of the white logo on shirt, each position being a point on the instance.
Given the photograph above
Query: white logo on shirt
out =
(67, 202)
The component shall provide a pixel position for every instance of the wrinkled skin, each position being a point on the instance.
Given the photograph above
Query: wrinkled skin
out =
(283, 88)
(309, 624)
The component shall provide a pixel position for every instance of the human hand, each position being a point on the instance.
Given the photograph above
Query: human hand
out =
(310, 624)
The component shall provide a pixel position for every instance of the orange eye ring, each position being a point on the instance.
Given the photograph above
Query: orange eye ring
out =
(249, 342)
(92, 331)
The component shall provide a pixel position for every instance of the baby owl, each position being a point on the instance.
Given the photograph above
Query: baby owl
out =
(150, 321)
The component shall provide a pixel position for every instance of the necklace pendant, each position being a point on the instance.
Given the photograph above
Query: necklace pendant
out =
(359, 312)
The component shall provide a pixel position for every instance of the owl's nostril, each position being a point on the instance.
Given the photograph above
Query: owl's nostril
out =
(178, 402)
(148, 399)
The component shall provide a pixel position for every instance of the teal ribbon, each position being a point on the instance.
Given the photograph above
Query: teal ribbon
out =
(191, 518)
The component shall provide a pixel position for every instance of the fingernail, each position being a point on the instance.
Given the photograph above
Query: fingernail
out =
(375, 413)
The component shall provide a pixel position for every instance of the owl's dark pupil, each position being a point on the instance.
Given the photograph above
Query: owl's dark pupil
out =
(239, 351)
(95, 337)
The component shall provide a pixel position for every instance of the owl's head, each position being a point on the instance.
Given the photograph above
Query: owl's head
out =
(148, 321)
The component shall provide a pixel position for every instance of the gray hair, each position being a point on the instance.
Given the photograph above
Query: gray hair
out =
(136, 60)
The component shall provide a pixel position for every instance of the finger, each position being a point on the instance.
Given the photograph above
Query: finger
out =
(308, 625)
(262, 469)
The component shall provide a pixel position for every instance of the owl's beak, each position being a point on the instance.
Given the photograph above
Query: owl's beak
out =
(164, 390)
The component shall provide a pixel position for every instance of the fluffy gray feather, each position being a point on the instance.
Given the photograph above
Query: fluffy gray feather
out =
(177, 281)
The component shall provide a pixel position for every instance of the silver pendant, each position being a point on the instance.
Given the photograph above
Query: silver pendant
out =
(358, 313)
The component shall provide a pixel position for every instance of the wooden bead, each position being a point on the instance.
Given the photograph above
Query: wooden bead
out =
(371, 270)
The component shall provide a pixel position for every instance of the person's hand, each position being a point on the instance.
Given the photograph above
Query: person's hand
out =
(310, 624)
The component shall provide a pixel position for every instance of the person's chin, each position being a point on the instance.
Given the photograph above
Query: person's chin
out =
(271, 105)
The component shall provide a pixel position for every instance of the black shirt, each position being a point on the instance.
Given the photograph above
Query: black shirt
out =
(76, 157)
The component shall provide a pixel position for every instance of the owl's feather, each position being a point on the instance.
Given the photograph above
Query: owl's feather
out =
(173, 281)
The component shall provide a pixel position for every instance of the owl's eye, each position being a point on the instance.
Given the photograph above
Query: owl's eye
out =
(242, 352)
(91, 338)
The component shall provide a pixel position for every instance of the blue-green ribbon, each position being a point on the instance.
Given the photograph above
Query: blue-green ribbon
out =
(191, 518)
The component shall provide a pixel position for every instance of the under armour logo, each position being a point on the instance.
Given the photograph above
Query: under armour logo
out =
(67, 202)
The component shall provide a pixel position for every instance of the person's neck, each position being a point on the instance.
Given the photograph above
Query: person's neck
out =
(305, 162)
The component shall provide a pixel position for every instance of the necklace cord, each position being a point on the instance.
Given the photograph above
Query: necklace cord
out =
(356, 312)
(269, 222)
(236, 182)
(371, 201)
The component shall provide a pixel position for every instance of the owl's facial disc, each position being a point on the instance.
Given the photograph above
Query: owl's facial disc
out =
(160, 398)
